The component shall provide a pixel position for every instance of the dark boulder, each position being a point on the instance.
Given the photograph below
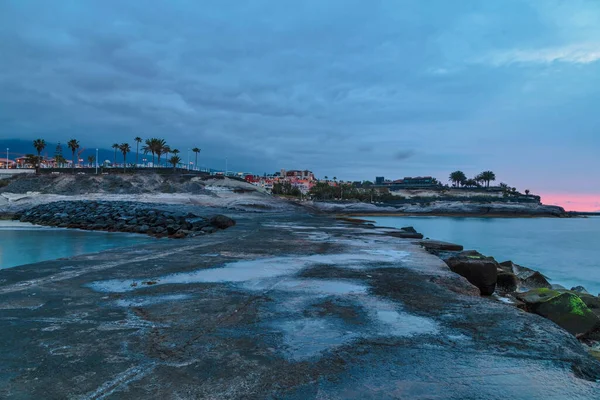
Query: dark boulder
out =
(221, 222)
(507, 281)
(528, 278)
(436, 245)
(404, 235)
(479, 270)
(563, 308)
(579, 289)
(409, 229)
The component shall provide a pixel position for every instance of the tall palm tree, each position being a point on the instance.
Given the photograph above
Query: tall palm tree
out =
(167, 150)
(149, 148)
(159, 148)
(197, 151)
(116, 147)
(125, 148)
(73, 145)
(138, 140)
(40, 145)
(174, 161)
(487, 177)
(458, 178)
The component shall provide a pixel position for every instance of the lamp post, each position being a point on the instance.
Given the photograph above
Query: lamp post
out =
(7, 157)
(96, 161)
(188, 160)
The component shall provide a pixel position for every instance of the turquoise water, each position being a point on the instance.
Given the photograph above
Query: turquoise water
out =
(565, 250)
(26, 244)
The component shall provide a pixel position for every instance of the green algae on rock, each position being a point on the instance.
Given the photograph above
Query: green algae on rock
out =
(563, 308)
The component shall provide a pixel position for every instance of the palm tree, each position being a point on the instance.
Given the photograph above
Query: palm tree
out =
(116, 147)
(149, 148)
(159, 148)
(91, 160)
(73, 145)
(326, 177)
(197, 151)
(138, 140)
(527, 191)
(487, 177)
(125, 148)
(167, 150)
(458, 178)
(174, 161)
(40, 145)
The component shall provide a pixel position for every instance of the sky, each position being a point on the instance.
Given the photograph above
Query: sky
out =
(346, 88)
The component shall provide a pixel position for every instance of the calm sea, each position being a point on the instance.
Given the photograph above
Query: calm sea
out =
(565, 250)
(26, 244)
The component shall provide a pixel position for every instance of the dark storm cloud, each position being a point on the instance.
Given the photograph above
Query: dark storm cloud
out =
(337, 86)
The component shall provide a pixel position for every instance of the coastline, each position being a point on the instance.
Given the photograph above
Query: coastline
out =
(457, 215)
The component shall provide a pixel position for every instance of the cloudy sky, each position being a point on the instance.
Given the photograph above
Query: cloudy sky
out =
(346, 88)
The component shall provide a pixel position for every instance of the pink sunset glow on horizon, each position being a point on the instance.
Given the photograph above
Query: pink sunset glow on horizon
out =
(573, 202)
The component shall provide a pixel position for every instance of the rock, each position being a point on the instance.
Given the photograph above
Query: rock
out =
(579, 289)
(122, 217)
(565, 309)
(436, 245)
(409, 229)
(556, 286)
(405, 235)
(221, 222)
(591, 301)
(481, 271)
(507, 281)
(528, 278)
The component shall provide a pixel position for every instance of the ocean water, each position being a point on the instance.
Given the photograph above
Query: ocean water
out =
(565, 250)
(22, 243)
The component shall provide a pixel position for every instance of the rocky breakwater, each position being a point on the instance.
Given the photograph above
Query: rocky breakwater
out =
(123, 216)
(575, 310)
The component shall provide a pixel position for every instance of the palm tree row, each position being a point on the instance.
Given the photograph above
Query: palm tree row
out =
(458, 178)
(155, 146)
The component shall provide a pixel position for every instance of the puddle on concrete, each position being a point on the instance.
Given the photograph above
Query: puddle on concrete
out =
(255, 270)
(150, 300)
(306, 337)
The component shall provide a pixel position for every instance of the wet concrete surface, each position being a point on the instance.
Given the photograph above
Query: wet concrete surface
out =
(280, 306)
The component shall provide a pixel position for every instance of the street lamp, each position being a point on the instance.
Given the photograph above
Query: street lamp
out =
(7, 157)
(188, 161)
(96, 161)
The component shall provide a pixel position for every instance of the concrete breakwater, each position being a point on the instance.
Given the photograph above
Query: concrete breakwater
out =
(123, 216)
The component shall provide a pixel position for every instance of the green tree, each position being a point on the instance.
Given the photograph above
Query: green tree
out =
(125, 148)
(527, 191)
(40, 145)
(197, 151)
(458, 178)
(116, 147)
(91, 160)
(138, 140)
(73, 145)
(175, 160)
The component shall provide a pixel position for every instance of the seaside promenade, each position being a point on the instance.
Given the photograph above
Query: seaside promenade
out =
(283, 305)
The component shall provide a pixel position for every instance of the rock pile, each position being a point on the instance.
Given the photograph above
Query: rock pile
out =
(123, 216)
